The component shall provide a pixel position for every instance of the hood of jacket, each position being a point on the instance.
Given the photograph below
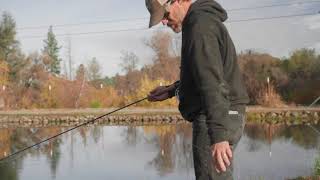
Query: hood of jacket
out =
(209, 6)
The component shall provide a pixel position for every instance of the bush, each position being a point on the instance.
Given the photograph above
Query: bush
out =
(95, 104)
(270, 98)
(146, 85)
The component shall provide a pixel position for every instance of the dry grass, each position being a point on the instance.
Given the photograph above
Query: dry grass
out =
(268, 97)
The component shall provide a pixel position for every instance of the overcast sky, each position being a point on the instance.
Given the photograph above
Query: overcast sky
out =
(279, 37)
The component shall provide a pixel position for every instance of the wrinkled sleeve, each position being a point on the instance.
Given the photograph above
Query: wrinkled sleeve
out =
(207, 72)
(172, 92)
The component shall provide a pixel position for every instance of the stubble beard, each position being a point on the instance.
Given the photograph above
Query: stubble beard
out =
(182, 15)
(178, 29)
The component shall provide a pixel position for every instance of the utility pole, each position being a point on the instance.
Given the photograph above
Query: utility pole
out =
(69, 57)
(70, 60)
(65, 69)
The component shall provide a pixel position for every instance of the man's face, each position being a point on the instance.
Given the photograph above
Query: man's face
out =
(174, 16)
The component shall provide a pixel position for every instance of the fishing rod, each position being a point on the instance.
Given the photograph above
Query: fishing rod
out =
(88, 122)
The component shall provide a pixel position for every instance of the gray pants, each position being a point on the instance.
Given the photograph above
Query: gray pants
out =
(203, 161)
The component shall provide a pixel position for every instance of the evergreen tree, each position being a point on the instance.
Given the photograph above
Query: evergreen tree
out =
(9, 48)
(51, 53)
(8, 42)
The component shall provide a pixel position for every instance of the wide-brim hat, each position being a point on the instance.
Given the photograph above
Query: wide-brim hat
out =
(156, 10)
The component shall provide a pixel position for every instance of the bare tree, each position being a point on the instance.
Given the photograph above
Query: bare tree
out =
(93, 69)
(80, 79)
(166, 62)
(161, 44)
(129, 61)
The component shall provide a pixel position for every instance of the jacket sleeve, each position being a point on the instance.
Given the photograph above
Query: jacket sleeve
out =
(172, 92)
(207, 72)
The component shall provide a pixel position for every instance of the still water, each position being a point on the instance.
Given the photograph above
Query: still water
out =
(152, 152)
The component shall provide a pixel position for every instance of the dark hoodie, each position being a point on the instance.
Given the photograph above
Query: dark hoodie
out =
(210, 80)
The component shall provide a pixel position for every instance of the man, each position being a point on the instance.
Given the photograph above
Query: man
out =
(210, 91)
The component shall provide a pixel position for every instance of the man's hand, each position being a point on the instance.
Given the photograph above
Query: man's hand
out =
(222, 155)
(160, 93)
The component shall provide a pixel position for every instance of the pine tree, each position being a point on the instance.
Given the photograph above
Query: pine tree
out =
(10, 51)
(8, 42)
(51, 53)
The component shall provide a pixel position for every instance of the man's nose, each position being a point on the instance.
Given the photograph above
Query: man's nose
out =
(164, 21)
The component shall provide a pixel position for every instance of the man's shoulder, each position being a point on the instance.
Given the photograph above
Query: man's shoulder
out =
(197, 18)
(202, 23)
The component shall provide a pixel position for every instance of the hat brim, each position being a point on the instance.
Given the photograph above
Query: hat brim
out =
(156, 16)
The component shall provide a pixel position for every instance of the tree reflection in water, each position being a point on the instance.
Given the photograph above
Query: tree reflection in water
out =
(300, 135)
(131, 136)
(172, 143)
(22, 137)
(9, 171)
(174, 147)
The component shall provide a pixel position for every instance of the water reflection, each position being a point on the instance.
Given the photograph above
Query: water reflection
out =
(9, 171)
(302, 136)
(130, 134)
(174, 148)
(151, 152)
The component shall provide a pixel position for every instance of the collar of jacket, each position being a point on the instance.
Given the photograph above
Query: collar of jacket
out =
(209, 6)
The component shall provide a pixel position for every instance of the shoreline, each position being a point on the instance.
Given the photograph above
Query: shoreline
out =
(144, 116)
(142, 110)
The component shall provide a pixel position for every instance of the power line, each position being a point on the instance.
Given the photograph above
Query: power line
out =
(273, 5)
(275, 17)
(86, 33)
(85, 23)
(140, 29)
(145, 18)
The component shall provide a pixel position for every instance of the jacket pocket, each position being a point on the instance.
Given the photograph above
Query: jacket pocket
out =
(236, 125)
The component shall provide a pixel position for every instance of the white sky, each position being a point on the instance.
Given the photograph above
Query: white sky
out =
(278, 37)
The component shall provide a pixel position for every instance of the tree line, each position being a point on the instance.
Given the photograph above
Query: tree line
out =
(45, 80)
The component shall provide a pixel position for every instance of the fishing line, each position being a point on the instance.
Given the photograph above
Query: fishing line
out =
(52, 137)
(312, 127)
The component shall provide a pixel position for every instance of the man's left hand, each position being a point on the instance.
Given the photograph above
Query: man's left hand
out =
(222, 155)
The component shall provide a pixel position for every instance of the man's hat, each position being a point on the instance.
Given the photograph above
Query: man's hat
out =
(156, 10)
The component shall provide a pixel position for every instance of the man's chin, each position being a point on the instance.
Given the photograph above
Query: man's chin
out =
(176, 30)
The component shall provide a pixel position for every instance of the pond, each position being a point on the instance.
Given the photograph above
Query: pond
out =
(152, 152)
